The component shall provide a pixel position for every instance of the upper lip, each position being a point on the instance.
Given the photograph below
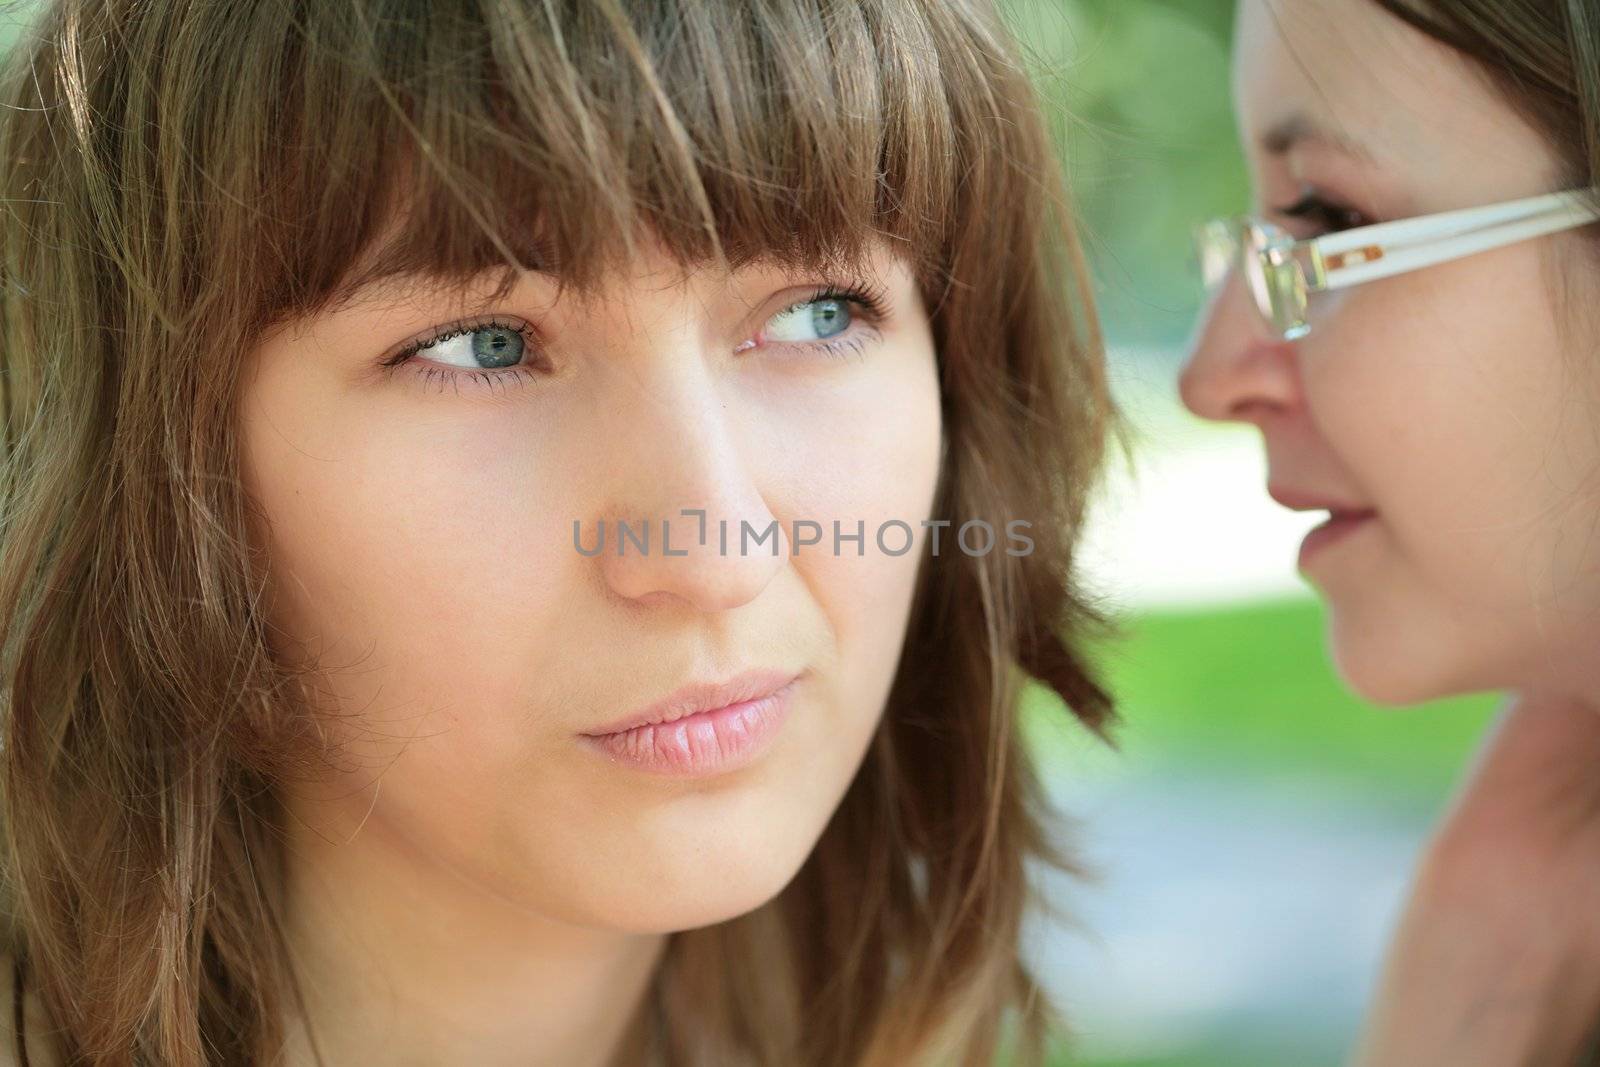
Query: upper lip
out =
(1295, 500)
(702, 696)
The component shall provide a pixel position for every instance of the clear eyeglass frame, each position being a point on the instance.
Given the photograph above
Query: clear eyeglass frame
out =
(1281, 272)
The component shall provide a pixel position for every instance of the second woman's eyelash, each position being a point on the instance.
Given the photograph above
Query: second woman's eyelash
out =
(1325, 214)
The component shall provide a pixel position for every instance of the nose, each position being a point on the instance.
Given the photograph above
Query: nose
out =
(684, 479)
(1234, 372)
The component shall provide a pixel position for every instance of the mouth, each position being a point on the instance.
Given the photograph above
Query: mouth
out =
(1338, 525)
(1297, 500)
(1338, 515)
(700, 698)
(1343, 517)
(702, 730)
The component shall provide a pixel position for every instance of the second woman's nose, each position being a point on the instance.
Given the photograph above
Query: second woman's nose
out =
(1234, 371)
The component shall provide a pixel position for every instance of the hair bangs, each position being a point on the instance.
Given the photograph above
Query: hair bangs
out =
(728, 132)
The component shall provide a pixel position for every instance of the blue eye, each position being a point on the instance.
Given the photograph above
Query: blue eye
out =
(825, 318)
(486, 354)
(476, 347)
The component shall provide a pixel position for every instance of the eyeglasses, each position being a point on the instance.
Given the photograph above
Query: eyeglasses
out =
(1282, 272)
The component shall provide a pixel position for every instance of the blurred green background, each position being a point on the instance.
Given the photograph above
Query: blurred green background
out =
(1138, 95)
(1254, 834)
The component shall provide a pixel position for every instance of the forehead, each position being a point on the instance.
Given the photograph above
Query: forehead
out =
(1350, 69)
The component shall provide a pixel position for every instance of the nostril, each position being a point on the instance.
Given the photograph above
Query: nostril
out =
(1252, 409)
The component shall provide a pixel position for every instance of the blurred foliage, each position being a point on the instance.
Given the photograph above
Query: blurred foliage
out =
(1066, 1059)
(1138, 96)
(1249, 691)
(13, 14)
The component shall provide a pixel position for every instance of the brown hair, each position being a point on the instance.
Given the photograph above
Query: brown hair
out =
(176, 179)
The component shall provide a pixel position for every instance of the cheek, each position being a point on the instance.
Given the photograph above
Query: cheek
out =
(1448, 398)
(884, 460)
(403, 558)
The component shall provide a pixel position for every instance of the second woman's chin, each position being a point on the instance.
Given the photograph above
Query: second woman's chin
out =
(1395, 654)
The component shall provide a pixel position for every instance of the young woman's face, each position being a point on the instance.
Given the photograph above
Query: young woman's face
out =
(1458, 402)
(422, 545)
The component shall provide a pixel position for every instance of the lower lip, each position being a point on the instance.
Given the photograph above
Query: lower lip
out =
(1335, 529)
(705, 743)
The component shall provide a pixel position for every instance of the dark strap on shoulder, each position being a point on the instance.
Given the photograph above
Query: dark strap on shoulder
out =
(16, 1009)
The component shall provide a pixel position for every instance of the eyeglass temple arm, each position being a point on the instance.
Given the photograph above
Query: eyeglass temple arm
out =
(1390, 248)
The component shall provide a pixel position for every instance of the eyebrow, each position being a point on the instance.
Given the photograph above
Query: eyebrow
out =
(1297, 129)
(388, 269)
(389, 274)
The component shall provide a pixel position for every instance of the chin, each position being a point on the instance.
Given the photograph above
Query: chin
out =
(655, 910)
(1393, 666)
(666, 886)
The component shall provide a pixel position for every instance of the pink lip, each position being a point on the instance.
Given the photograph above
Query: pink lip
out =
(1295, 500)
(1343, 518)
(702, 728)
(1336, 528)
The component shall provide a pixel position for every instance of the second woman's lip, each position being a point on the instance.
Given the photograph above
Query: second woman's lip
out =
(696, 697)
(1338, 526)
(1295, 500)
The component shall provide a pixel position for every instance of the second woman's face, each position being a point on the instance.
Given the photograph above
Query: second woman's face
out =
(431, 530)
(1458, 402)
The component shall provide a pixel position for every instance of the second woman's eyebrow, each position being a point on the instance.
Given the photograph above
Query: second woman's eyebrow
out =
(1298, 129)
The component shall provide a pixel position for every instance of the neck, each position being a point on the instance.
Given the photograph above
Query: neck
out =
(401, 961)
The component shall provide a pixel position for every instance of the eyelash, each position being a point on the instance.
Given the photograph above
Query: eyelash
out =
(868, 298)
(1327, 215)
(452, 376)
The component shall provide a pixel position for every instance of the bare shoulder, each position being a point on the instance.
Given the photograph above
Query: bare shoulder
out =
(34, 1022)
